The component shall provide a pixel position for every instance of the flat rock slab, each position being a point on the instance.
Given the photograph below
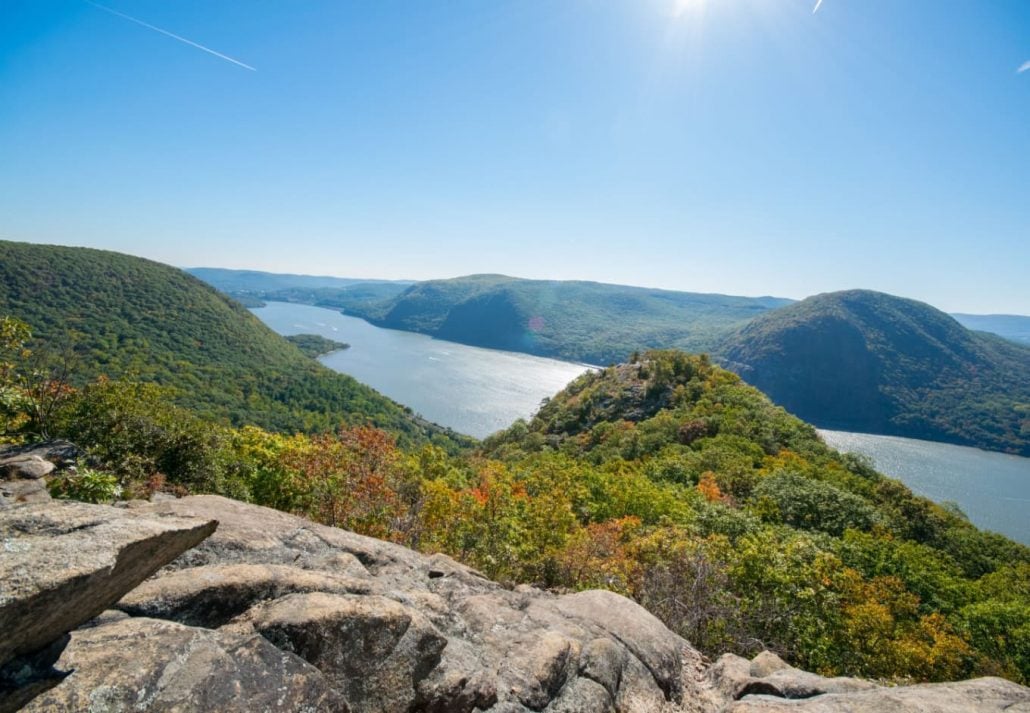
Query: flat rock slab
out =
(983, 695)
(212, 595)
(64, 563)
(767, 674)
(255, 534)
(142, 664)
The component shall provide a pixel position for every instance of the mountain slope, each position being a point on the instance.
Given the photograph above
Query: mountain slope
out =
(695, 482)
(580, 321)
(126, 316)
(866, 361)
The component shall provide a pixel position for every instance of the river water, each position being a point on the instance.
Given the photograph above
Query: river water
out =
(993, 489)
(480, 391)
(472, 390)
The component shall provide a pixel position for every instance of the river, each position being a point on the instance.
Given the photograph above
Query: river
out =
(480, 391)
(472, 390)
(993, 489)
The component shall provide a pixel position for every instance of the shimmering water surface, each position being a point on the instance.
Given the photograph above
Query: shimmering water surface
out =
(993, 489)
(472, 390)
(480, 391)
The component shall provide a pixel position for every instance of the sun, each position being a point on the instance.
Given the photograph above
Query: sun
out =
(682, 8)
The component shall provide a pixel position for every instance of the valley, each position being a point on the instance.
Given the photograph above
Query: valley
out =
(514, 357)
(643, 478)
(479, 391)
(854, 360)
(473, 390)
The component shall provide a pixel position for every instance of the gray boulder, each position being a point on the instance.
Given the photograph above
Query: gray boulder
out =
(23, 491)
(59, 452)
(730, 675)
(373, 650)
(64, 563)
(641, 632)
(27, 467)
(766, 663)
(211, 595)
(140, 664)
(982, 695)
(735, 677)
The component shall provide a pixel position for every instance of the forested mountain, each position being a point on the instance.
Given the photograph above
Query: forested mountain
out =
(252, 288)
(867, 361)
(853, 360)
(123, 316)
(1011, 326)
(579, 321)
(227, 280)
(690, 481)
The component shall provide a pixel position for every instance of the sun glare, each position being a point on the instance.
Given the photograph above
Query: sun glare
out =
(682, 8)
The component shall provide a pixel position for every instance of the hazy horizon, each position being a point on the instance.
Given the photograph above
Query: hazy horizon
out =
(623, 284)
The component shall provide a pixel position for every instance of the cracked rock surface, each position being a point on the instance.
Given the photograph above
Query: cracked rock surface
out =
(270, 612)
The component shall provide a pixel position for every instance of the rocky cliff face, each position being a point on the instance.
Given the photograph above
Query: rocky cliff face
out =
(208, 604)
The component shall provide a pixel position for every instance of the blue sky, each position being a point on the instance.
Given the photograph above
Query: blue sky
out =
(737, 146)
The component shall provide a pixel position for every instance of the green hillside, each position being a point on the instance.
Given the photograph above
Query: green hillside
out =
(735, 524)
(579, 321)
(125, 316)
(866, 361)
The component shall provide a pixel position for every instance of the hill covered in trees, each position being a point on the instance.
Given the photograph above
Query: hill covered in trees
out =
(578, 321)
(686, 480)
(854, 360)
(103, 313)
(867, 361)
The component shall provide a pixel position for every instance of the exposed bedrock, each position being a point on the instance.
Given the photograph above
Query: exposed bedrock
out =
(270, 612)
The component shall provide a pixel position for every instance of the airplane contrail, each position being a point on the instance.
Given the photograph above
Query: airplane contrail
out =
(818, 4)
(1025, 67)
(170, 34)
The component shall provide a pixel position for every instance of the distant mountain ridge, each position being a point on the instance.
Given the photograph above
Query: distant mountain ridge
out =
(228, 280)
(1014, 327)
(866, 361)
(578, 321)
(130, 317)
(856, 360)
(253, 288)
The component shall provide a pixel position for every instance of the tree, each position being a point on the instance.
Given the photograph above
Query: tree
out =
(14, 402)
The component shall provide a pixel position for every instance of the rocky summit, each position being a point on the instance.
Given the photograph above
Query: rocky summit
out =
(208, 604)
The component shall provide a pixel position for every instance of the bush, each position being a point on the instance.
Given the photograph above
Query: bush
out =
(88, 486)
(812, 505)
